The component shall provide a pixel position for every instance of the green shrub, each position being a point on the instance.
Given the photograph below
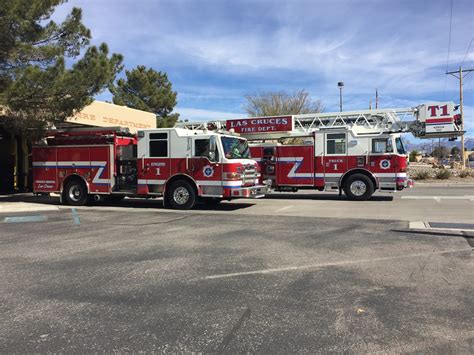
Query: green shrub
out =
(443, 174)
(413, 155)
(465, 173)
(421, 174)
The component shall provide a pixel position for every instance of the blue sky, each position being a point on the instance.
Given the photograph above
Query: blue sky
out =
(215, 51)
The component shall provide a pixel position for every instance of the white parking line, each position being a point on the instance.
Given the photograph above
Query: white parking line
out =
(438, 198)
(284, 208)
(334, 263)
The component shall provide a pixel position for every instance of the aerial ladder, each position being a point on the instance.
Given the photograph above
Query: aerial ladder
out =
(426, 121)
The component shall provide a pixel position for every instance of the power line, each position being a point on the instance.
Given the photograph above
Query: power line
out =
(449, 43)
(467, 52)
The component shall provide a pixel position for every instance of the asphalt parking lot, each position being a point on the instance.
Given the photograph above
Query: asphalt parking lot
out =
(428, 203)
(140, 279)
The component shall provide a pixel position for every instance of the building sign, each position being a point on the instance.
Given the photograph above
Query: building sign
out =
(438, 117)
(103, 114)
(261, 124)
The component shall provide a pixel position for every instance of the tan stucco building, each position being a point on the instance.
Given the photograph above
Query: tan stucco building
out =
(15, 149)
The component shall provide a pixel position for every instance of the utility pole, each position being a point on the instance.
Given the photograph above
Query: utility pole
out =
(460, 74)
(340, 85)
(376, 99)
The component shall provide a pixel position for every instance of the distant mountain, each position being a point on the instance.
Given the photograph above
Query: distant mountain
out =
(427, 145)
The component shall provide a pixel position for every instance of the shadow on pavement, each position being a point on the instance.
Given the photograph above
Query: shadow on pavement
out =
(321, 197)
(155, 203)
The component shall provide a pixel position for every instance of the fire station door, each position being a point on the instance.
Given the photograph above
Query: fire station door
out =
(295, 165)
(335, 158)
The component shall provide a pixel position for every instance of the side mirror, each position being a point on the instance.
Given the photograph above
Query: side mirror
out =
(212, 148)
(212, 143)
(212, 155)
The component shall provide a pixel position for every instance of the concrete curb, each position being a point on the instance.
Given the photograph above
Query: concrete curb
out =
(425, 228)
(469, 236)
(443, 184)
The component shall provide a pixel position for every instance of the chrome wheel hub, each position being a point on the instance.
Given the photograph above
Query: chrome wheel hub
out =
(75, 193)
(181, 195)
(358, 188)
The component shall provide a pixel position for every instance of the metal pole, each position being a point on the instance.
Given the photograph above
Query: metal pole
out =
(340, 85)
(340, 99)
(463, 160)
(453, 73)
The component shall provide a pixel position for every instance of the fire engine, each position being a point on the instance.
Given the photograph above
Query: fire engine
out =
(179, 164)
(357, 152)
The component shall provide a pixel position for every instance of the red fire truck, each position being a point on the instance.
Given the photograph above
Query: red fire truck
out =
(356, 152)
(179, 164)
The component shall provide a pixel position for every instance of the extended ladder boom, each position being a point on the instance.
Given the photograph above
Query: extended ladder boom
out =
(434, 120)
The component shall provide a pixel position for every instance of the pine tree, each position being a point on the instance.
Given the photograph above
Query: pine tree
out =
(43, 76)
(147, 90)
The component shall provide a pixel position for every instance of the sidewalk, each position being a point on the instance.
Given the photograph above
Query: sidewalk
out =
(27, 202)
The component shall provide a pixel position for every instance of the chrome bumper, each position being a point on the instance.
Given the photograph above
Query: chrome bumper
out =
(257, 191)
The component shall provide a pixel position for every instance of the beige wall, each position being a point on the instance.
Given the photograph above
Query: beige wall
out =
(103, 114)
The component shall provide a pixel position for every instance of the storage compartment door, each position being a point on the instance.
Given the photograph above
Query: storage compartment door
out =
(295, 165)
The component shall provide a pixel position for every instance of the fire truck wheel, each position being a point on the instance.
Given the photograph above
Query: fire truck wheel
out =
(358, 187)
(181, 195)
(75, 193)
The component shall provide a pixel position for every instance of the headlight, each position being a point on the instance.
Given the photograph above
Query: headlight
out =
(232, 176)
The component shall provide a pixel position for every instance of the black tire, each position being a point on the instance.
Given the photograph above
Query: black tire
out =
(358, 187)
(75, 193)
(180, 195)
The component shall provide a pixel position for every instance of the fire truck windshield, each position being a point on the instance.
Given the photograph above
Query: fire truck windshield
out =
(235, 148)
(400, 147)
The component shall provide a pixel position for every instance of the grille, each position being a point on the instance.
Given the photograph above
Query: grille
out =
(249, 175)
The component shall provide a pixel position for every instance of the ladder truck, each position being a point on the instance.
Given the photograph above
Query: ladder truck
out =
(182, 165)
(355, 152)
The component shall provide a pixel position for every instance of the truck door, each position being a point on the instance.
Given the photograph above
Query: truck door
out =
(45, 170)
(205, 165)
(295, 165)
(383, 161)
(335, 157)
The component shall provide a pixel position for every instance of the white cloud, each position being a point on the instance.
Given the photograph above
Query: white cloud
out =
(215, 51)
(195, 114)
